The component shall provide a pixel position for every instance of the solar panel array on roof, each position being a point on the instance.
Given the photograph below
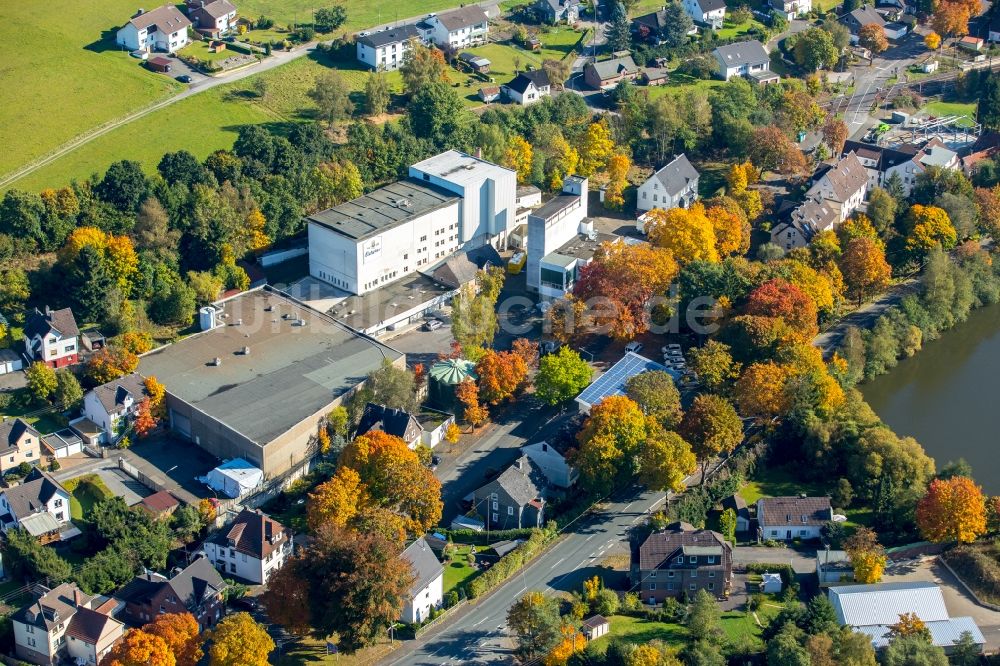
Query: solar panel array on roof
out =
(613, 381)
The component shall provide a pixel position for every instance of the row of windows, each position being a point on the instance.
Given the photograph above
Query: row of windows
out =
(670, 586)
(691, 574)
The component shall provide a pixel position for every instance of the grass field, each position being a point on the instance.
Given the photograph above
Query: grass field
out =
(953, 109)
(201, 51)
(360, 14)
(22, 404)
(784, 482)
(84, 493)
(458, 572)
(738, 627)
(63, 74)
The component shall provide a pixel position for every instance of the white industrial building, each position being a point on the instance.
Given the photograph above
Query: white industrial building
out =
(553, 225)
(450, 202)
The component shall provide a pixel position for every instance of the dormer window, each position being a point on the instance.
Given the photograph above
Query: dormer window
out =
(804, 518)
(232, 543)
(680, 559)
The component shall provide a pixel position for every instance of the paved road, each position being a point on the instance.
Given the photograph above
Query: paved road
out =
(865, 317)
(477, 633)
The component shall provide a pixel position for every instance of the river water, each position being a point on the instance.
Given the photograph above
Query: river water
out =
(948, 396)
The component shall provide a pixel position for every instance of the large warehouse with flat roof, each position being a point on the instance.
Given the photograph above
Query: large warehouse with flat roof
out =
(256, 383)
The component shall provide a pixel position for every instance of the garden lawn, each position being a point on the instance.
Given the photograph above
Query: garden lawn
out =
(23, 404)
(939, 109)
(731, 30)
(680, 83)
(201, 51)
(64, 75)
(84, 493)
(783, 482)
(640, 630)
(458, 572)
(306, 650)
(360, 13)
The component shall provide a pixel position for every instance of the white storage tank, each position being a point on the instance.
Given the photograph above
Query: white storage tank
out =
(206, 317)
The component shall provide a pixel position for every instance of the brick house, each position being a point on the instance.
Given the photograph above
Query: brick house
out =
(52, 337)
(682, 558)
(197, 590)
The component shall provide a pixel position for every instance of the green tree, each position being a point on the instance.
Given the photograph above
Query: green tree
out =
(90, 282)
(377, 94)
(123, 186)
(181, 167)
(676, 25)
(913, 651)
(881, 211)
(704, 653)
(25, 557)
(820, 618)
(333, 97)
(619, 31)
(714, 365)
(786, 650)
(727, 525)
(704, 616)
(814, 49)
(423, 66)
(561, 376)
(988, 106)
(656, 395)
(965, 652)
(329, 19)
(174, 305)
(436, 112)
(42, 380)
(21, 216)
(535, 621)
(68, 391)
(712, 426)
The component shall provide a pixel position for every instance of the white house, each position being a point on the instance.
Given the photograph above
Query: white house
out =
(846, 184)
(528, 87)
(65, 624)
(213, 18)
(52, 337)
(162, 29)
(558, 472)
(710, 13)
(747, 58)
(459, 28)
(873, 609)
(791, 9)
(427, 590)
(107, 404)
(38, 494)
(19, 443)
(787, 518)
(386, 49)
(933, 154)
(252, 547)
(553, 224)
(675, 185)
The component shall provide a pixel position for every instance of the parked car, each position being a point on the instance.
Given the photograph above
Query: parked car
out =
(634, 347)
(184, 78)
(435, 461)
(432, 324)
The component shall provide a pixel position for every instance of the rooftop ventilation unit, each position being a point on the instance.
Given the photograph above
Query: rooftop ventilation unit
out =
(246, 351)
(217, 361)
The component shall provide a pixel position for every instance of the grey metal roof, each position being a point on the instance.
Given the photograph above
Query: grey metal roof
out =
(750, 52)
(384, 208)
(609, 69)
(677, 175)
(40, 523)
(463, 17)
(424, 563)
(883, 603)
(292, 371)
(831, 560)
(395, 35)
(944, 633)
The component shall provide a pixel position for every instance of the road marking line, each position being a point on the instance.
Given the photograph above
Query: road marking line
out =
(627, 506)
(557, 563)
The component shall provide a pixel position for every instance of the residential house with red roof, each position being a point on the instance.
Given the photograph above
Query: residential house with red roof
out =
(197, 589)
(252, 547)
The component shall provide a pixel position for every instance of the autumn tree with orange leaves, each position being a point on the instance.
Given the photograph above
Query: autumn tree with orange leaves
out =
(337, 501)
(779, 299)
(473, 412)
(527, 350)
(952, 510)
(139, 648)
(350, 583)
(712, 426)
(619, 284)
(571, 642)
(144, 422)
(181, 634)
(772, 150)
(951, 18)
(110, 364)
(760, 390)
(501, 375)
(686, 232)
(865, 269)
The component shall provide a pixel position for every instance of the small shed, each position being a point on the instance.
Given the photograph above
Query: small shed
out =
(655, 76)
(930, 66)
(970, 43)
(489, 93)
(160, 505)
(534, 44)
(216, 46)
(63, 443)
(475, 63)
(10, 361)
(92, 339)
(159, 64)
(595, 626)
(770, 583)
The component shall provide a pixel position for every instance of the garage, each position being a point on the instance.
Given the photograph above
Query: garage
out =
(10, 361)
(180, 423)
(63, 443)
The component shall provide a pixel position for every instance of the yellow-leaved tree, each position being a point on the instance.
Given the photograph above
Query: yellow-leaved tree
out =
(519, 157)
(686, 232)
(596, 149)
(867, 555)
(614, 195)
(239, 641)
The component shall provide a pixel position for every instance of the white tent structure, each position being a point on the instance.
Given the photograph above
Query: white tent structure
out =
(234, 478)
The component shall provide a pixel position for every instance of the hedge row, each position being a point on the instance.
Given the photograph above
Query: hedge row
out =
(511, 563)
(785, 570)
(482, 539)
